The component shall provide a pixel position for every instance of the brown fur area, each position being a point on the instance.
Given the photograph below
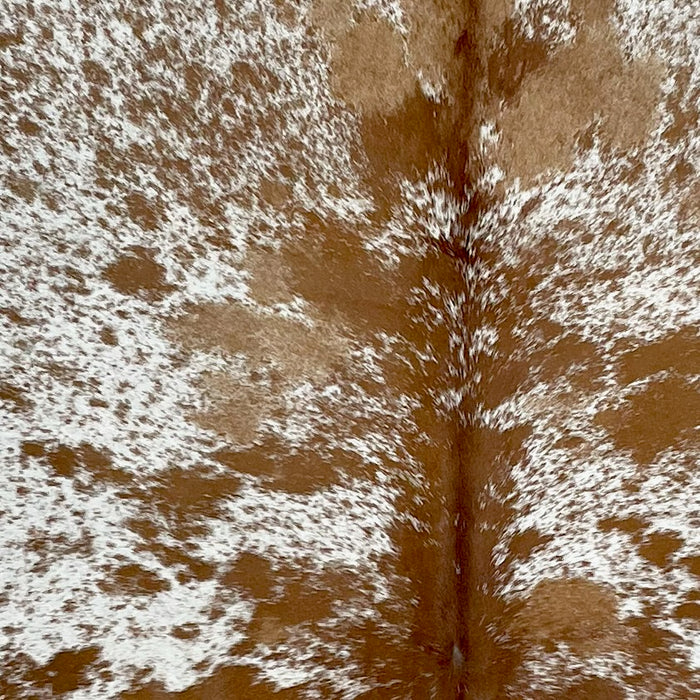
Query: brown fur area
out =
(586, 83)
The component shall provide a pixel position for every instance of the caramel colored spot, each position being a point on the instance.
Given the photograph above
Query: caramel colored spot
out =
(250, 573)
(14, 395)
(28, 127)
(95, 73)
(688, 611)
(693, 565)
(226, 683)
(137, 273)
(142, 211)
(580, 613)
(680, 351)
(184, 493)
(331, 16)
(523, 544)
(593, 689)
(658, 547)
(299, 351)
(587, 80)
(186, 631)
(369, 68)
(23, 187)
(275, 193)
(63, 460)
(630, 525)
(133, 579)
(653, 419)
(67, 671)
(301, 472)
(270, 278)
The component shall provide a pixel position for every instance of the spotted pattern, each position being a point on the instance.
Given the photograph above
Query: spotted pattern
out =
(349, 349)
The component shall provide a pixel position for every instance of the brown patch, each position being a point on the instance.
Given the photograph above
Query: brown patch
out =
(435, 28)
(539, 131)
(407, 142)
(15, 395)
(680, 351)
(687, 611)
(63, 460)
(303, 603)
(593, 12)
(368, 66)
(658, 547)
(342, 278)
(630, 525)
(96, 73)
(567, 351)
(513, 61)
(580, 613)
(233, 410)
(226, 683)
(108, 336)
(133, 579)
(300, 472)
(298, 350)
(653, 419)
(142, 211)
(28, 127)
(250, 573)
(592, 689)
(275, 193)
(23, 187)
(493, 14)
(693, 565)
(137, 273)
(8, 39)
(184, 493)
(67, 671)
(270, 278)
(504, 382)
(524, 543)
(331, 16)
(189, 631)
(33, 449)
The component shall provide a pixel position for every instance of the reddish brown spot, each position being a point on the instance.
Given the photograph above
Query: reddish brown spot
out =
(64, 460)
(592, 689)
(33, 449)
(23, 187)
(302, 472)
(581, 613)
(182, 493)
(15, 395)
(10, 39)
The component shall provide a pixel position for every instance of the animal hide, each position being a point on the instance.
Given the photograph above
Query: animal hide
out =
(349, 349)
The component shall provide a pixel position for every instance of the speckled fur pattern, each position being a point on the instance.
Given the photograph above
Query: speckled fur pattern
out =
(222, 448)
